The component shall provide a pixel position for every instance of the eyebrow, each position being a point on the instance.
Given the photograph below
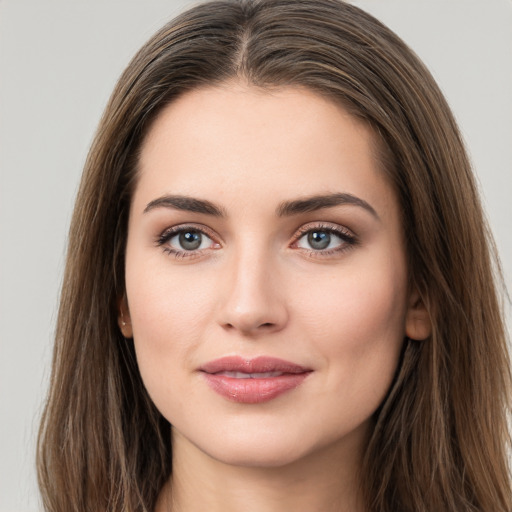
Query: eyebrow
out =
(318, 202)
(186, 203)
(285, 209)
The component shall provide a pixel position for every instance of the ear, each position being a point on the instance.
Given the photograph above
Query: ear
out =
(123, 319)
(418, 325)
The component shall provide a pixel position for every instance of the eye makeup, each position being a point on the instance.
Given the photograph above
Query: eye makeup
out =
(322, 240)
(187, 240)
(319, 240)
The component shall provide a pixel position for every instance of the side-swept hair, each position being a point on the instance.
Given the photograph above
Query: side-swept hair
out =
(440, 438)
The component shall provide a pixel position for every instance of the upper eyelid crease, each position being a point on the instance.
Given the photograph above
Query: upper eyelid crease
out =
(175, 230)
(337, 230)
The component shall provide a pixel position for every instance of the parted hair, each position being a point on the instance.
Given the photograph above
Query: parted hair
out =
(439, 441)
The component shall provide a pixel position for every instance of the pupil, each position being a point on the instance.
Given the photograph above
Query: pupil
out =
(190, 240)
(319, 239)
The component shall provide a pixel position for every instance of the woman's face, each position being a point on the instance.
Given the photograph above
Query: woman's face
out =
(266, 280)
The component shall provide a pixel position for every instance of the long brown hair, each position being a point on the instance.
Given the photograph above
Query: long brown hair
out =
(440, 438)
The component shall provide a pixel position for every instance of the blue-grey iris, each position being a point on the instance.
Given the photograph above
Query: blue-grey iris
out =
(190, 240)
(319, 239)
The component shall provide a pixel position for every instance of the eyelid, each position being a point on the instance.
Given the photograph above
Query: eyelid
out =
(192, 226)
(170, 232)
(323, 226)
(348, 237)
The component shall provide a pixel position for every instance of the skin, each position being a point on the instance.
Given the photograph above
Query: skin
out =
(256, 286)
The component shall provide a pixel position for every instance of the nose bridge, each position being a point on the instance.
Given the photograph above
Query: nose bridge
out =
(253, 300)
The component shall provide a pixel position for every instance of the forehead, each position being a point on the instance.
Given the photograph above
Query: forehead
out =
(237, 141)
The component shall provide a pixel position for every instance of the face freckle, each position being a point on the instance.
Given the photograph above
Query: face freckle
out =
(262, 229)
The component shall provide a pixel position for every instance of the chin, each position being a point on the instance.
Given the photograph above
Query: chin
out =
(270, 446)
(258, 456)
(256, 446)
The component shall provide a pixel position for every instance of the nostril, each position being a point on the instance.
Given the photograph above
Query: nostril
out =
(248, 328)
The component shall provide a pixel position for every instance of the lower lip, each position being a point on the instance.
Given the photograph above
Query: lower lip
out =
(254, 391)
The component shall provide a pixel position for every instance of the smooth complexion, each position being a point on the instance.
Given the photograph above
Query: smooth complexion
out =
(263, 227)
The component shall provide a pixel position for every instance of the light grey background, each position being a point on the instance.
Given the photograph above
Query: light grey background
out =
(59, 60)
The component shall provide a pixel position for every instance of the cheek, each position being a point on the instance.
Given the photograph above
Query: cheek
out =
(357, 323)
(357, 329)
(356, 302)
(164, 298)
(169, 313)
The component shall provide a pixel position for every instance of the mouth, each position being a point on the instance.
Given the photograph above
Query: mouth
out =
(253, 381)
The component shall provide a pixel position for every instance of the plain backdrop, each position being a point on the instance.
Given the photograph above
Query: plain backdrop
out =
(59, 60)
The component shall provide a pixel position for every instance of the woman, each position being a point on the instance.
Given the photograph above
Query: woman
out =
(279, 292)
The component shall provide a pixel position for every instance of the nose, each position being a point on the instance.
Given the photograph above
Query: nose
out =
(253, 298)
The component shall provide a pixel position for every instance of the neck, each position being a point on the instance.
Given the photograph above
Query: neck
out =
(327, 480)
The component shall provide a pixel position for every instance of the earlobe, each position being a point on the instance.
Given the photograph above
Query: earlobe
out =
(418, 325)
(123, 318)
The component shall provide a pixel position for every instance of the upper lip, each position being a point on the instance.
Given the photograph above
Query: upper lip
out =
(261, 364)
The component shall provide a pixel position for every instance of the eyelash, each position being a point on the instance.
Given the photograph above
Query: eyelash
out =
(170, 233)
(348, 239)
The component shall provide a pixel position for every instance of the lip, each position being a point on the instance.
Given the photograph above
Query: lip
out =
(224, 376)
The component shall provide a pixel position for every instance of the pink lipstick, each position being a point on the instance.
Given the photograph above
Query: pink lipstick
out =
(253, 381)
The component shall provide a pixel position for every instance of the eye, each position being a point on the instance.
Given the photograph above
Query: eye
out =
(324, 240)
(317, 240)
(189, 240)
(185, 241)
